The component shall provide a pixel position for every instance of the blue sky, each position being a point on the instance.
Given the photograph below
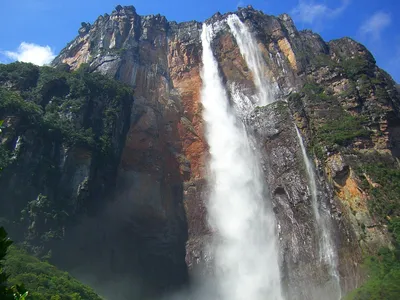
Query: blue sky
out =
(36, 30)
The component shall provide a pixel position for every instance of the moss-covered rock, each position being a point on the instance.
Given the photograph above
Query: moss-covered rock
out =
(61, 140)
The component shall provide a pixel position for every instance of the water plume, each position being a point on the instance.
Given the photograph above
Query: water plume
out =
(245, 243)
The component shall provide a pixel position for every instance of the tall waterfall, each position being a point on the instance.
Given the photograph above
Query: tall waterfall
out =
(253, 57)
(327, 252)
(246, 252)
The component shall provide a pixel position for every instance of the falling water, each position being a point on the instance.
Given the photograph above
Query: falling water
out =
(253, 57)
(327, 251)
(246, 252)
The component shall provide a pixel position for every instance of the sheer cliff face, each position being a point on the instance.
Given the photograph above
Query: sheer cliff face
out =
(161, 181)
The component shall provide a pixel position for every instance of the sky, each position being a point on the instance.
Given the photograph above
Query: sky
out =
(37, 30)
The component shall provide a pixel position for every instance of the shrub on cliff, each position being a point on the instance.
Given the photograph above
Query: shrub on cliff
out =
(384, 272)
(335, 128)
(342, 130)
(384, 193)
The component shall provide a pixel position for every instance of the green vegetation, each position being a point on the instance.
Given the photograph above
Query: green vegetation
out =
(43, 221)
(42, 280)
(281, 107)
(338, 128)
(52, 110)
(23, 76)
(342, 130)
(357, 66)
(312, 90)
(361, 74)
(24, 272)
(353, 67)
(52, 102)
(384, 195)
(384, 272)
(294, 97)
(50, 107)
(316, 93)
(20, 271)
(383, 186)
(350, 91)
(12, 103)
(324, 60)
(15, 292)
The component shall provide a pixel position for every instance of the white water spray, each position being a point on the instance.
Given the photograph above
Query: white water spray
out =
(246, 252)
(253, 57)
(327, 251)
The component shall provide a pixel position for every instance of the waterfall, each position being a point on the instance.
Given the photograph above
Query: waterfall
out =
(327, 252)
(253, 57)
(245, 244)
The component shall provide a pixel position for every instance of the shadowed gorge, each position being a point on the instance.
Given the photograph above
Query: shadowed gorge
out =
(231, 159)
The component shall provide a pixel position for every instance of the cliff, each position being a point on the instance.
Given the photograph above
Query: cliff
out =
(145, 207)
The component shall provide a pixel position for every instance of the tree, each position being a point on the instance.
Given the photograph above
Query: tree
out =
(15, 292)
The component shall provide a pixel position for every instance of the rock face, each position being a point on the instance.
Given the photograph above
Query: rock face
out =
(158, 203)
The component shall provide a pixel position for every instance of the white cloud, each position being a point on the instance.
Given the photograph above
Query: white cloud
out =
(311, 12)
(375, 25)
(28, 52)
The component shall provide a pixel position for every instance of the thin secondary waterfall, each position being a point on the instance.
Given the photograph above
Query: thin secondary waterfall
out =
(253, 57)
(327, 252)
(246, 252)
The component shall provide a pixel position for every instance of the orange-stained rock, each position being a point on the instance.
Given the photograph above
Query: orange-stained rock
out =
(353, 195)
(81, 54)
(286, 48)
(187, 82)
